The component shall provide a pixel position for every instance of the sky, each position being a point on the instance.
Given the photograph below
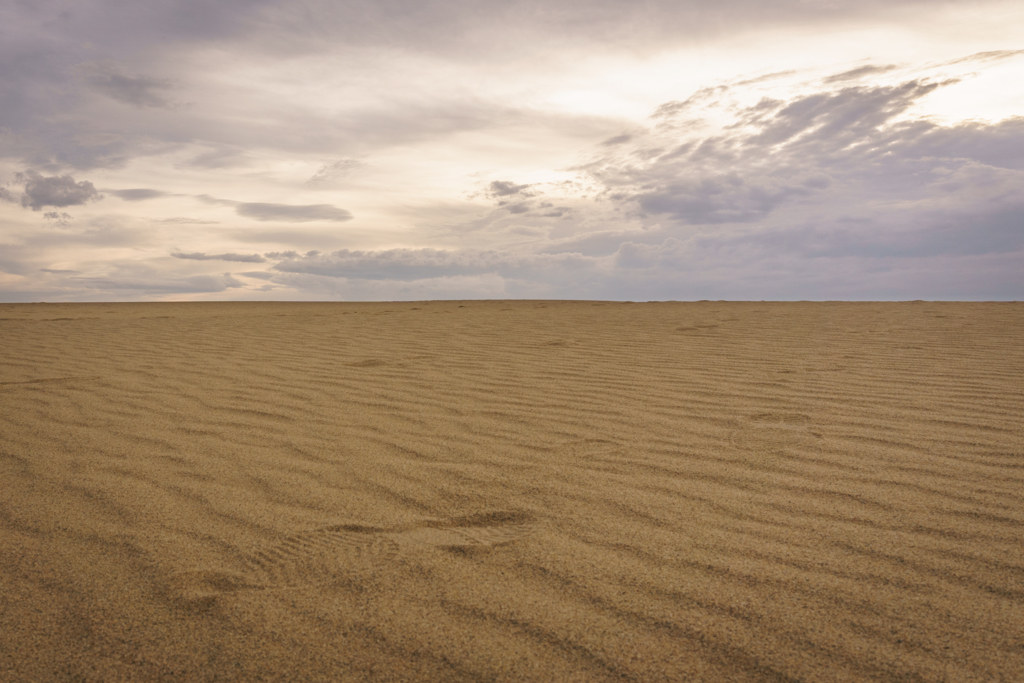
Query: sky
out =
(177, 150)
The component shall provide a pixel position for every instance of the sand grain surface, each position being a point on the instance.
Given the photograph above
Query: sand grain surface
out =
(524, 490)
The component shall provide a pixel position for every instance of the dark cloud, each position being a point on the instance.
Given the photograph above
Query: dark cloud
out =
(786, 151)
(240, 258)
(58, 217)
(506, 188)
(557, 212)
(617, 140)
(727, 198)
(703, 96)
(1000, 144)
(137, 195)
(827, 175)
(330, 173)
(860, 72)
(55, 191)
(216, 201)
(292, 214)
(836, 119)
(767, 77)
(115, 82)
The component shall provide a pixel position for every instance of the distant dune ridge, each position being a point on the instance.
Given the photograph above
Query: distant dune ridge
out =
(514, 490)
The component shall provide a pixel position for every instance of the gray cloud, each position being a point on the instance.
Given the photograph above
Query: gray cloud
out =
(58, 217)
(58, 191)
(136, 195)
(292, 214)
(330, 173)
(860, 72)
(115, 82)
(240, 258)
(722, 198)
(216, 201)
(506, 188)
(617, 140)
(832, 174)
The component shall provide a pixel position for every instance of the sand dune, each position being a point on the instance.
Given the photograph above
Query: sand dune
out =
(569, 491)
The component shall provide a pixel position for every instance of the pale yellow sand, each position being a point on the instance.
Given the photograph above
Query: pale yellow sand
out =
(512, 491)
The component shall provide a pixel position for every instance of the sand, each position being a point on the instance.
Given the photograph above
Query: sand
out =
(510, 491)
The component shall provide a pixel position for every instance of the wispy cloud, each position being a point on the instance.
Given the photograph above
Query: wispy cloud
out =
(292, 214)
(329, 174)
(860, 72)
(137, 195)
(114, 81)
(240, 258)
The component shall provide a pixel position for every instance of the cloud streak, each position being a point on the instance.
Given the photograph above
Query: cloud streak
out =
(137, 195)
(116, 83)
(238, 258)
(292, 214)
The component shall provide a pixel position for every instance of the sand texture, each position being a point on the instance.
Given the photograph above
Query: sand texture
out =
(510, 491)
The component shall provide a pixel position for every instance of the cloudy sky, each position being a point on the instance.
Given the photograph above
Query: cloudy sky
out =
(438, 149)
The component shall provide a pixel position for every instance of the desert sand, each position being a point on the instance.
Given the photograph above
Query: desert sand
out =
(510, 491)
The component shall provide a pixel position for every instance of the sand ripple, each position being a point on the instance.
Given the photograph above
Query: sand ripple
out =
(512, 491)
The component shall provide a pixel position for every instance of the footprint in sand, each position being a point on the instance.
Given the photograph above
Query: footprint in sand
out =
(473, 532)
(201, 589)
(329, 554)
(322, 555)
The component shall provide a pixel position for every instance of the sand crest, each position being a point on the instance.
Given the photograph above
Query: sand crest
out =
(512, 491)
